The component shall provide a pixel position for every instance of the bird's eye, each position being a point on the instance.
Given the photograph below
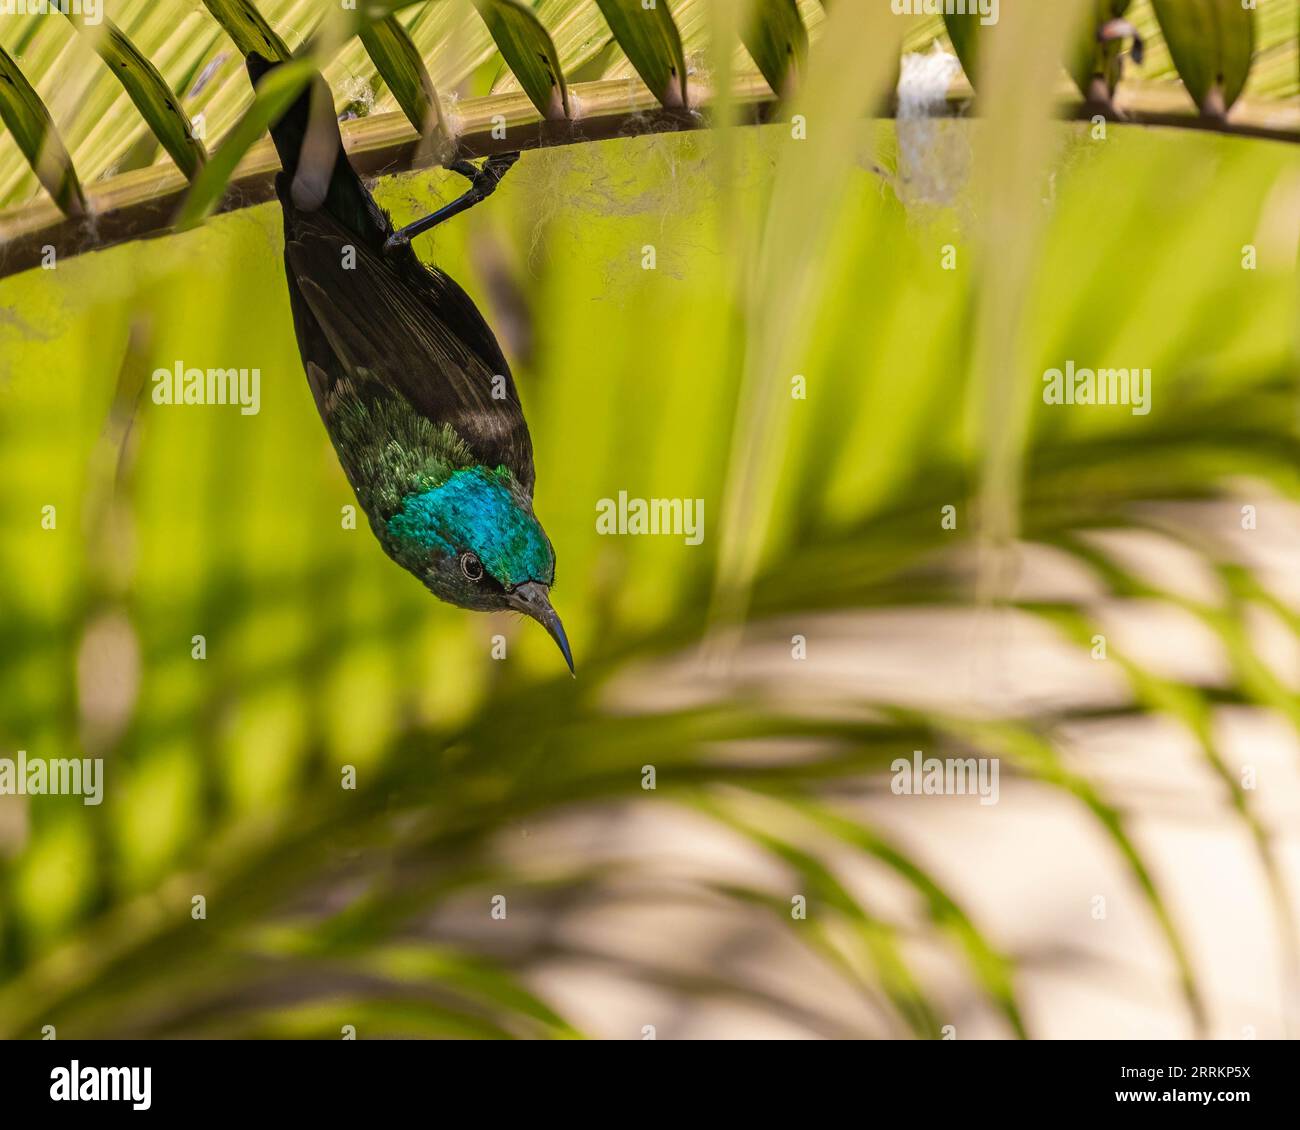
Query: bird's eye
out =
(471, 566)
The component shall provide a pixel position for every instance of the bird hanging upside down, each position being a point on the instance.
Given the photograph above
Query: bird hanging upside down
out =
(408, 378)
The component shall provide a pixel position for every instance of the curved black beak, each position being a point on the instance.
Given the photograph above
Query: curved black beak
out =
(533, 599)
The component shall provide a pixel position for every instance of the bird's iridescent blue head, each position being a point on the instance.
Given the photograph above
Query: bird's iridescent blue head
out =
(474, 542)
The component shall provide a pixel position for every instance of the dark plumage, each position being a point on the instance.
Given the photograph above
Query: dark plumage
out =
(409, 382)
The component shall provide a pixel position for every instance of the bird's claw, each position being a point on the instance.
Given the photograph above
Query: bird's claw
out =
(482, 183)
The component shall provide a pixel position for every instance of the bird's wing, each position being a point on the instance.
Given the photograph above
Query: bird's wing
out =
(415, 332)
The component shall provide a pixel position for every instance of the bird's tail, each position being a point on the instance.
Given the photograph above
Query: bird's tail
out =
(317, 174)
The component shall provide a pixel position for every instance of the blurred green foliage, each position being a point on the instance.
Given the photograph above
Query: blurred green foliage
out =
(223, 773)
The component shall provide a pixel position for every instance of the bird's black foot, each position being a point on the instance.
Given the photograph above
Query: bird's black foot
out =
(482, 183)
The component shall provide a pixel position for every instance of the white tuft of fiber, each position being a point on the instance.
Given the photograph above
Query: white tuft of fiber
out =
(933, 156)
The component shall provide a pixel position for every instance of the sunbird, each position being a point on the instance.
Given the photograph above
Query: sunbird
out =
(408, 378)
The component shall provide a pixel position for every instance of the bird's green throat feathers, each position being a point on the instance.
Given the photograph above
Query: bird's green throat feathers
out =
(476, 508)
(426, 496)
